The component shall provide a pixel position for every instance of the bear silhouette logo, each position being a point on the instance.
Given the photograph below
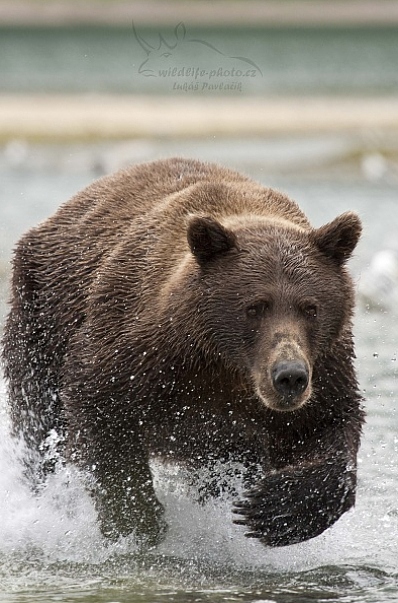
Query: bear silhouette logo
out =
(169, 57)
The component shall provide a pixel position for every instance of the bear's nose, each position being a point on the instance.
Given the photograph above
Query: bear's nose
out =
(290, 379)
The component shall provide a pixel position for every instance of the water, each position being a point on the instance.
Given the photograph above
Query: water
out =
(50, 545)
(304, 61)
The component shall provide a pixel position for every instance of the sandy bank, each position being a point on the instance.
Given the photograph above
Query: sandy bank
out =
(48, 117)
(216, 12)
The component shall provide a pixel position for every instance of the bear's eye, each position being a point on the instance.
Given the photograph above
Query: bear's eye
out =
(310, 311)
(258, 309)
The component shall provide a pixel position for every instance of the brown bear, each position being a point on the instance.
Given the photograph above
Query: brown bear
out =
(178, 309)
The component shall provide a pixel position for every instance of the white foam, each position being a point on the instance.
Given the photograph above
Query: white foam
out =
(57, 521)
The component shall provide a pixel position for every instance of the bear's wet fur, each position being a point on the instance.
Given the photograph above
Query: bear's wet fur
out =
(179, 309)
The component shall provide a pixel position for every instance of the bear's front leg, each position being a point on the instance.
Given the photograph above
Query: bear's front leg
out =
(297, 503)
(126, 501)
(106, 442)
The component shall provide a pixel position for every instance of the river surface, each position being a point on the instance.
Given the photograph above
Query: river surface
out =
(203, 60)
(50, 546)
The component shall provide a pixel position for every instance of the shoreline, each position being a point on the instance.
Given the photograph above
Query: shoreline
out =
(50, 117)
(207, 12)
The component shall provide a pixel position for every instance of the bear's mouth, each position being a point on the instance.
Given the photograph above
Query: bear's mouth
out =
(284, 404)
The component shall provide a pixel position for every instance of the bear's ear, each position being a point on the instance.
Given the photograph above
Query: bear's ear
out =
(337, 240)
(208, 238)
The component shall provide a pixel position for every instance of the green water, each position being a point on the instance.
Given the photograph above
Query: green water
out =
(348, 60)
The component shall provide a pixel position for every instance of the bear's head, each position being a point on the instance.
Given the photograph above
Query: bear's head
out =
(270, 298)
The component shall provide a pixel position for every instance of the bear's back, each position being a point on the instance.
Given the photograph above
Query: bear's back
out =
(147, 206)
(130, 227)
(165, 190)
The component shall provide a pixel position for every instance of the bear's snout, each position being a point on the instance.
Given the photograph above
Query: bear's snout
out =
(290, 379)
(285, 384)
